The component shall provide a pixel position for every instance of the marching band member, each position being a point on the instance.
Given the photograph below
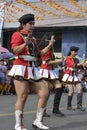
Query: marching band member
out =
(71, 77)
(49, 74)
(25, 73)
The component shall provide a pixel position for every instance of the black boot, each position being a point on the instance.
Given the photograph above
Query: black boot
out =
(79, 102)
(57, 98)
(69, 103)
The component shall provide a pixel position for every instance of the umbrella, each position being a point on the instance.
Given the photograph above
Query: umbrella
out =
(2, 49)
(6, 55)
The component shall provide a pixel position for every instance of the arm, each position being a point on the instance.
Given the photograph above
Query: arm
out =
(18, 43)
(84, 63)
(19, 49)
(47, 48)
(54, 62)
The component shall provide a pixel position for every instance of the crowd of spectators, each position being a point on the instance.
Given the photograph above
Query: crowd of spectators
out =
(6, 82)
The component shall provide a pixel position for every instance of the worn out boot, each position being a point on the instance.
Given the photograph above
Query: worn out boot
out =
(38, 123)
(19, 123)
(57, 98)
(79, 102)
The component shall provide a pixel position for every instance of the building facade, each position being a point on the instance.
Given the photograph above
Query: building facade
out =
(66, 18)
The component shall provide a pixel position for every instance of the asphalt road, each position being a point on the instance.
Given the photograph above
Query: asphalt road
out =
(73, 120)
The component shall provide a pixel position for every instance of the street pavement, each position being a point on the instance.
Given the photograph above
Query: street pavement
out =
(73, 120)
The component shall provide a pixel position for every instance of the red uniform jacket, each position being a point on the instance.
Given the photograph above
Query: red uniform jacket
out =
(16, 40)
(46, 57)
(69, 64)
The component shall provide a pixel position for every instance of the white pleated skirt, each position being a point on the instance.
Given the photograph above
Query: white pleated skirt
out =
(49, 74)
(71, 79)
(25, 72)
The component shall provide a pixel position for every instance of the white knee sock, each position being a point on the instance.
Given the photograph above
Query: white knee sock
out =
(40, 114)
(18, 118)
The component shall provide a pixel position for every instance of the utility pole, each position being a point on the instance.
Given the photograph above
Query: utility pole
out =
(1, 20)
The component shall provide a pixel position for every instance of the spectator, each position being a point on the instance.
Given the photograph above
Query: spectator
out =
(3, 71)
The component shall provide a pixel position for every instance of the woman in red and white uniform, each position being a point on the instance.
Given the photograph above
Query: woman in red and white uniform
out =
(48, 73)
(71, 77)
(24, 70)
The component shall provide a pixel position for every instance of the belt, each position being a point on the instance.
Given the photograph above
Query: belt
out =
(44, 62)
(27, 57)
(69, 68)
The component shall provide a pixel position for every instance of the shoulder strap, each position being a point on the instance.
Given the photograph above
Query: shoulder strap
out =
(22, 35)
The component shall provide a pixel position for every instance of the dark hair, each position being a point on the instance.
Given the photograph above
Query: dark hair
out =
(69, 53)
(45, 40)
(20, 28)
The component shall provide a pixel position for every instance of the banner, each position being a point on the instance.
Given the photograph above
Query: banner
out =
(55, 5)
(1, 17)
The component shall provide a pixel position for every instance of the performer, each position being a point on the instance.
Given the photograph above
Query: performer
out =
(51, 77)
(25, 73)
(71, 77)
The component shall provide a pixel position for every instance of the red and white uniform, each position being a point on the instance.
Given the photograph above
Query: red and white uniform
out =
(71, 73)
(47, 70)
(21, 67)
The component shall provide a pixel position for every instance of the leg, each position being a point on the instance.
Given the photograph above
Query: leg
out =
(1, 88)
(41, 88)
(57, 98)
(45, 114)
(51, 87)
(8, 89)
(22, 88)
(79, 97)
(70, 96)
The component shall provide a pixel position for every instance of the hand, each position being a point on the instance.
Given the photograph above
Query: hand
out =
(85, 60)
(52, 40)
(28, 38)
(38, 61)
(63, 57)
(85, 63)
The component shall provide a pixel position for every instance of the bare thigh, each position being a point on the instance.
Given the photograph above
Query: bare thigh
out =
(39, 87)
(21, 87)
(79, 87)
(56, 83)
(71, 90)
